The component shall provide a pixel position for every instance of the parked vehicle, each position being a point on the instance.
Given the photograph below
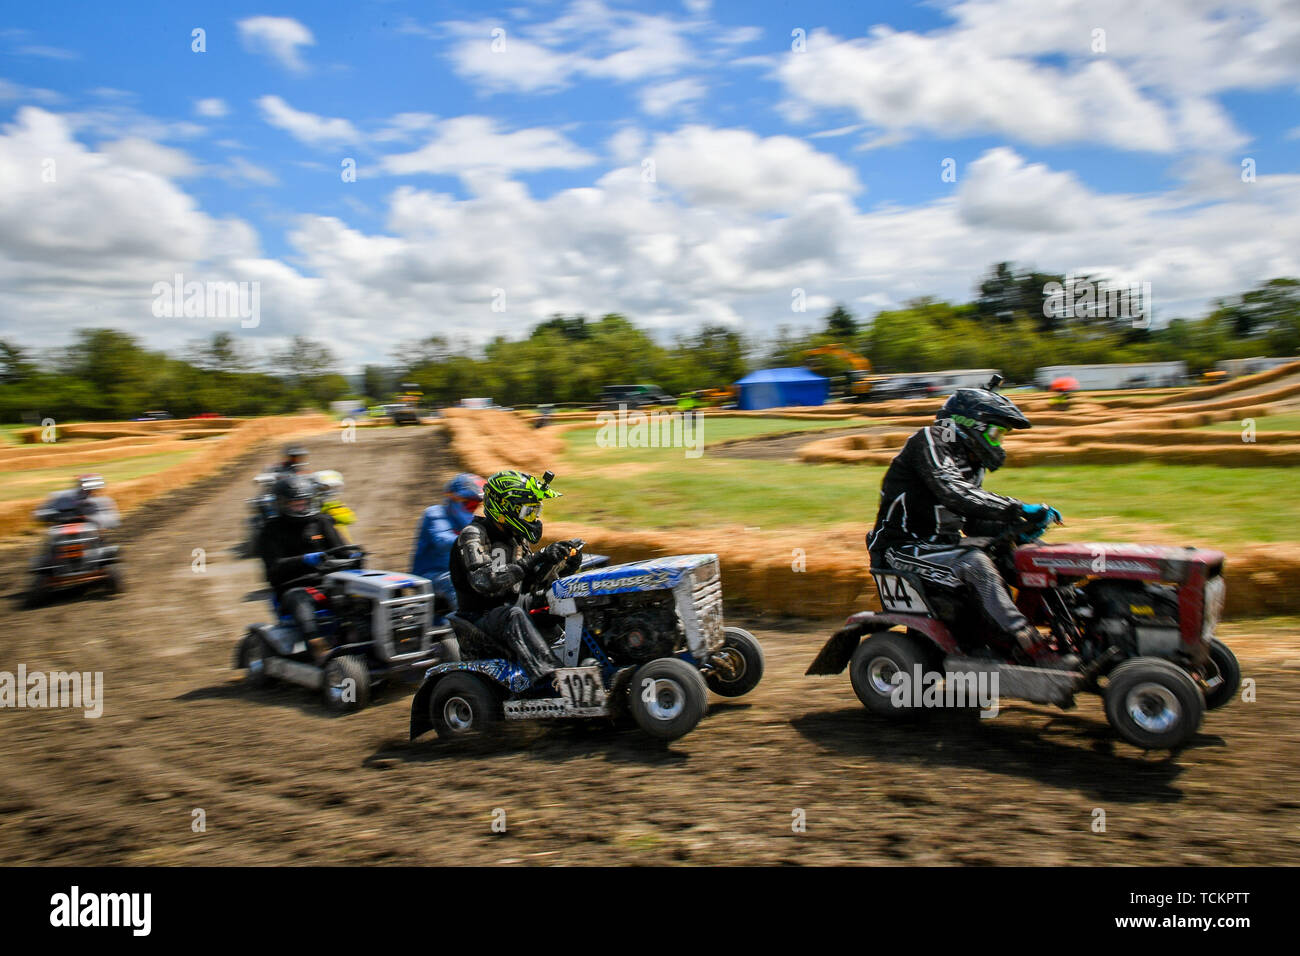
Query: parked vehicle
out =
(634, 396)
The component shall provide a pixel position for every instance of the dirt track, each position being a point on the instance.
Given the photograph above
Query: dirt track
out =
(281, 782)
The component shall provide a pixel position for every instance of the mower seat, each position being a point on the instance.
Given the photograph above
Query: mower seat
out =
(473, 642)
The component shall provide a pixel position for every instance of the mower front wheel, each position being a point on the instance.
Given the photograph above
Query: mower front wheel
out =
(114, 581)
(667, 697)
(1222, 675)
(346, 685)
(1153, 704)
(738, 664)
(253, 654)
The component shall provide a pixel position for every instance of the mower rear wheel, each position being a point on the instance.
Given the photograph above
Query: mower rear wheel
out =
(463, 705)
(874, 665)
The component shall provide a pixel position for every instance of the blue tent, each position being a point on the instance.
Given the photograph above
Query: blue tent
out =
(781, 387)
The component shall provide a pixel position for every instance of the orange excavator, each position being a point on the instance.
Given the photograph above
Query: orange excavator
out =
(857, 380)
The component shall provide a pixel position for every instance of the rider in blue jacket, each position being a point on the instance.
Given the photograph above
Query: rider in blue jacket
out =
(439, 527)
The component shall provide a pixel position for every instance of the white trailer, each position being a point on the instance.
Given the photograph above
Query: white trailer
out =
(1116, 375)
(947, 380)
(1249, 366)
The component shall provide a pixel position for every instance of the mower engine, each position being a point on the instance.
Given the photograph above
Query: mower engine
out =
(1139, 618)
(393, 610)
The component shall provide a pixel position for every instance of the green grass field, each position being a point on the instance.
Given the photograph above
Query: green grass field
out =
(1264, 423)
(15, 485)
(661, 488)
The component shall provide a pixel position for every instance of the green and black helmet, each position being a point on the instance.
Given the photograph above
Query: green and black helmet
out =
(981, 416)
(514, 499)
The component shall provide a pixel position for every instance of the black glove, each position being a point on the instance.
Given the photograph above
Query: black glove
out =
(557, 552)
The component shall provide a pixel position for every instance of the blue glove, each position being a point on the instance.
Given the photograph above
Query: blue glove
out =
(1040, 515)
(314, 558)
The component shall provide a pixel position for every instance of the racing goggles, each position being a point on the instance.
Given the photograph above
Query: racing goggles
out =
(993, 434)
(297, 506)
(469, 504)
(530, 512)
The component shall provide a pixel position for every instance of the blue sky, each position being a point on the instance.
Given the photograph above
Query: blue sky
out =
(523, 169)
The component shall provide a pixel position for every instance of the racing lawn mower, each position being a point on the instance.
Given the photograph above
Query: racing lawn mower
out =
(1139, 619)
(379, 623)
(75, 554)
(644, 639)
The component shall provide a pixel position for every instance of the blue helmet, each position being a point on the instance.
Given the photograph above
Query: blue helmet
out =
(465, 485)
(464, 495)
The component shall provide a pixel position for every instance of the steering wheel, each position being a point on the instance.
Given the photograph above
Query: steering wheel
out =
(338, 558)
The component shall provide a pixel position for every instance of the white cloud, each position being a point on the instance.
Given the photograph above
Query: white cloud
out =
(107, 217)
(240, 169)
(733, 224)
(945, 87)
(588, 39)
(12, 91)
(664, 98)
(467, 144)
(212, 106)
(1002, 191)
(1057, 71)
(520, 66)
(278, 37)
(738, 169)
(405, 126)
(48, 52)
(143, 154)
(307, 128)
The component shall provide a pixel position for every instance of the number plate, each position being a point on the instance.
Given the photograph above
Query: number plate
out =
(582, 689)
(897, 595)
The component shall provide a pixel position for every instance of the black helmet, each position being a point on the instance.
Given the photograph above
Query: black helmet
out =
(295, 496)
(295, 456)
(514, 499)
(980, 416)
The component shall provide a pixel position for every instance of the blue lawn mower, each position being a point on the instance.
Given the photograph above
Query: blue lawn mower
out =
(644, 639)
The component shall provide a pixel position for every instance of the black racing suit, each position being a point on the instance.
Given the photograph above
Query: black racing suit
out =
(281, 545)
(495, 576)
(930, 495)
